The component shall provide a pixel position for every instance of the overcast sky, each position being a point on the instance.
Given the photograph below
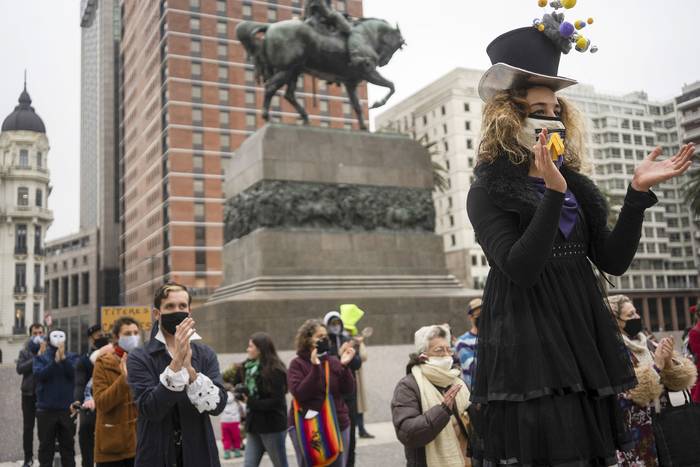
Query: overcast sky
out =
(648, 45)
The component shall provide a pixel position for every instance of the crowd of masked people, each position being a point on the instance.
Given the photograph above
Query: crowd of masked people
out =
(149, 404)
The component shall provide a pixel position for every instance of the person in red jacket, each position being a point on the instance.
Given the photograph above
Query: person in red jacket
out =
(694, 345)
(305, 380)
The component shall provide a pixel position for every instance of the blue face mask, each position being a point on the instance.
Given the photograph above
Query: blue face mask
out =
(129, 343)
(35, 344)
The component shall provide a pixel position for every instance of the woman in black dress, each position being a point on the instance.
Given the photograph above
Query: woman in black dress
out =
(550, 356)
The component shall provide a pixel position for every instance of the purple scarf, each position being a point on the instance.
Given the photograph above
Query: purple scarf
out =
(569, 211)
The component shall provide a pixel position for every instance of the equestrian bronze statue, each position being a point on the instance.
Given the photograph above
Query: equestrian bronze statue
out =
(324, 44)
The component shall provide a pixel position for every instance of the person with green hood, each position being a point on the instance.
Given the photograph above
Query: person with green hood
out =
(350, 315)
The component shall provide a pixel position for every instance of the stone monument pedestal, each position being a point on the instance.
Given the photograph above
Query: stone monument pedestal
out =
(315, 218)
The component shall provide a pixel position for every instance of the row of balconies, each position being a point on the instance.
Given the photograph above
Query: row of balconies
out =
(22, 251)
(22, 289)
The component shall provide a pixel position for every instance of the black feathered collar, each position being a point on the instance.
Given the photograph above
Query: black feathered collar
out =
(510, 188)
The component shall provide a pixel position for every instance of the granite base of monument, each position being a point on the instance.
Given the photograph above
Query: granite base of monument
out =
(315, 218)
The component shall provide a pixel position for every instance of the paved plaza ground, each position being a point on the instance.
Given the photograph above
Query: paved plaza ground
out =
(382, 451)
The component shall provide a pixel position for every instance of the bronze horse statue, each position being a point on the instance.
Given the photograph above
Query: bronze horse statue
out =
(293, 47)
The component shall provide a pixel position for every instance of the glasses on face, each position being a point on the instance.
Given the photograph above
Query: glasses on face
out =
(441, 351)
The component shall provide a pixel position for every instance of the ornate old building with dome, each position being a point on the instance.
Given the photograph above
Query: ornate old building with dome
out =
(24, 219)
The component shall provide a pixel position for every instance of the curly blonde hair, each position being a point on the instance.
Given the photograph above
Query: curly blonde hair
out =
(503, 118)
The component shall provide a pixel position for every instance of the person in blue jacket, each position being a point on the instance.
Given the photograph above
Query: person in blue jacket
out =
(54, 374)
(176, 384)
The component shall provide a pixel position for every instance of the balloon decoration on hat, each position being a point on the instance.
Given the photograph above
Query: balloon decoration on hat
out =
(565, 34)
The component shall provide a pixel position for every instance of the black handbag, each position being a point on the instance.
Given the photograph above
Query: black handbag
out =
(677, 433)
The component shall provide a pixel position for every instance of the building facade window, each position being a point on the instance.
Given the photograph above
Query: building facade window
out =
(85, 289)
(225, 141)
(197, 116)
(271, 15)
(223, 72)
(37, 278)
(223, 96)
(221, 28)
(224, 118)
(23, 196)
(75, 290)
(221, 6)
(199, 212)
(198, 163)
(37, 240)
(198, 187)
(39, 199)
(20, 325)
(39, 160)
(20, 278)
(247, 11)
(323, 105)
(196, 46)
(194, 24)
(196, 70)
(250, 120)
(21, 239)
(197, 138)
(200, 235)
(196, 92)
(37, 313)
(23, 158)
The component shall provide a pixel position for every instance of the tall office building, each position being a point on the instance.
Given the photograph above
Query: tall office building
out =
(99, 177)
(188, 99)
(446, 114)
(24, 219)
(663, 278)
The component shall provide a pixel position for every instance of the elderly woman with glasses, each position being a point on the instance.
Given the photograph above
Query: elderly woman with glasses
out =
(430, 403)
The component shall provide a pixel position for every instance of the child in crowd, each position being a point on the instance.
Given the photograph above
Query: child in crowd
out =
(231, 419)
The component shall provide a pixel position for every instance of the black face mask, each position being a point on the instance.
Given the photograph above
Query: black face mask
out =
(633, 327)
(101, 342)
(169, 322)
(323, 346)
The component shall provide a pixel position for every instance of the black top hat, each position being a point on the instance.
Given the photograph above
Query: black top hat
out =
(522, 57)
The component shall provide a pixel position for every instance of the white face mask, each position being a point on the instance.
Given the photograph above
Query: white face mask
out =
(129, 343)
(57, 338)
(534, 124)
(335, 329)
(443, 363)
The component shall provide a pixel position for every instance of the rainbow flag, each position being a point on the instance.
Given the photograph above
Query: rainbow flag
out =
(319, 437)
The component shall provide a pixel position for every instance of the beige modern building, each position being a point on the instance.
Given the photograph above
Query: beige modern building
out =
(71, 285)
(24, 219)
(663, 278)
(446, 115)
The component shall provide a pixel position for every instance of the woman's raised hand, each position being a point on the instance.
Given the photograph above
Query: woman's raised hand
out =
(652, 171)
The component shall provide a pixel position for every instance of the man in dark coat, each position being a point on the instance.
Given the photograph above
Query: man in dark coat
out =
(176, 385)
(339, 338)
(83, 375)
(25, 363)
(54, 373)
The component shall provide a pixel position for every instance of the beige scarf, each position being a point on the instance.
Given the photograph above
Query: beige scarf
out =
(445, 450)
(639, 349)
